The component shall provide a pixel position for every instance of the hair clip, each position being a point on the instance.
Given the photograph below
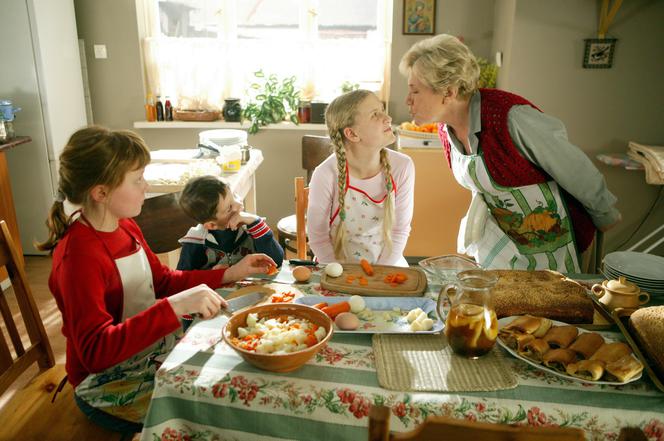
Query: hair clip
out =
(60, 196)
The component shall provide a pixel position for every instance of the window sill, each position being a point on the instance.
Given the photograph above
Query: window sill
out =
(223, 125)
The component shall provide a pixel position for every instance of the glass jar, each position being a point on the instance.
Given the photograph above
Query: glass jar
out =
(304, 112)
(471, 326)
(232, 110)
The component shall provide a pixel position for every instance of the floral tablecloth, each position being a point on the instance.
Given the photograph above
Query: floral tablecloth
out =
(204, 391)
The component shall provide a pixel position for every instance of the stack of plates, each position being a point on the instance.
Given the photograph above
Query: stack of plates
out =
(646, 270)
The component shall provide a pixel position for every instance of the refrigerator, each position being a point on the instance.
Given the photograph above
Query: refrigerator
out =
(40, 71)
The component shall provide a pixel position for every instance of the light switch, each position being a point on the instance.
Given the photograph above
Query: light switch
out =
(100, 51)
(499, 59)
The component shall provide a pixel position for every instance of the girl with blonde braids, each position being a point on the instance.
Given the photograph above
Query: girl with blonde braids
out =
(361, 197)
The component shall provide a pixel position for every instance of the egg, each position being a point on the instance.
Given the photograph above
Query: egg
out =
(334, 269)
(347, 321)
(357, 304)
(301, 273)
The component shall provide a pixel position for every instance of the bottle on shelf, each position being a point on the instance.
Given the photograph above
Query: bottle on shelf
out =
(160, 109)
(168, 110)
(150, 109)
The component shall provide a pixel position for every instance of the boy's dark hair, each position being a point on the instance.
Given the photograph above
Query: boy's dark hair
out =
(200, 197)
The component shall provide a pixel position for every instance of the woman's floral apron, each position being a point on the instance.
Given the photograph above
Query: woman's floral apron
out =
(528, 228)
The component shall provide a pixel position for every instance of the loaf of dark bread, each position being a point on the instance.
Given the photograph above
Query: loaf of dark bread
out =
(541, 293)
(647, 324)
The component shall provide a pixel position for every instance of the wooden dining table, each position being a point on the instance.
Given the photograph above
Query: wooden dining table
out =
(204, 390)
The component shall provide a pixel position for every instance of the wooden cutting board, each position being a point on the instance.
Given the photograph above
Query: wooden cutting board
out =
(376, 286)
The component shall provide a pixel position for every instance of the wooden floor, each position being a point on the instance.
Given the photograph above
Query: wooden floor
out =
(38, 269)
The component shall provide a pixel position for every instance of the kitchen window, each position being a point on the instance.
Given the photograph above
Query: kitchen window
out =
(201, 51)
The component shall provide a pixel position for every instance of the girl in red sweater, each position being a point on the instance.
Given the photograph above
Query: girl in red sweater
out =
(120, 306)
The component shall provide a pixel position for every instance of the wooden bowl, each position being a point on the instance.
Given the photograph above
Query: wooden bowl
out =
(195, 115)
(278, 362)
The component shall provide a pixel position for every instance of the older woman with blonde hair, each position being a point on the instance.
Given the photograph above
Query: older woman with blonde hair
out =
(537, 198)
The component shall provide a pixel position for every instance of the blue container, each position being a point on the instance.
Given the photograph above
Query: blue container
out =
(7, 110)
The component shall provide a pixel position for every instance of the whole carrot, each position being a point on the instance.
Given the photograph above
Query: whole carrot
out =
(366, 267)
(334, 310)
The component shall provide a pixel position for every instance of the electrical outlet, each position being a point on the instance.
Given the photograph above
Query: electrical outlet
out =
(100, 51)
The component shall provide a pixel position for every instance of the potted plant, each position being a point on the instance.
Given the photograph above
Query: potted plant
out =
(273, 101)
(488, 73)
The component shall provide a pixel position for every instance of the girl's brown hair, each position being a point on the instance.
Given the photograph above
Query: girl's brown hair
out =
(93, 156)
(341, 113)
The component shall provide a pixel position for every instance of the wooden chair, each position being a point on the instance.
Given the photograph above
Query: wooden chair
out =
(30, 413)
(436, 428)
(315, 149)
(301, 203)
(163, 222)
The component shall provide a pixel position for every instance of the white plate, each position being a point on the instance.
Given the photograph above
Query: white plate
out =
(506, 320)
(378, 325)
(640, 265)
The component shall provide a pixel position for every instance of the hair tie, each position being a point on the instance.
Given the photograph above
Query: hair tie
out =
(60, 196)
(342, 215)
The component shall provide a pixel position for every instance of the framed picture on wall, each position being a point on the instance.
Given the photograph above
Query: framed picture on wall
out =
(599, 53)
(419, 17)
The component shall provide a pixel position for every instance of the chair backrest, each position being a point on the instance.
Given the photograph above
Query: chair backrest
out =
(315, 149)
(163, 222)
(301, 203)
(438, 427)
(14, 363)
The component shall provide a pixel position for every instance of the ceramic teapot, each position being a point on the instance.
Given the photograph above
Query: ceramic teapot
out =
(471, 326)
(620, 293)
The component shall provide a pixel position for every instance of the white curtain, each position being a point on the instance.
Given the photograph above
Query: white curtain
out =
(198, 73)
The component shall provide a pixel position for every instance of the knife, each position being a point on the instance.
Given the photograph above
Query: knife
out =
(242, 302)
(302, 262)
(237, 303)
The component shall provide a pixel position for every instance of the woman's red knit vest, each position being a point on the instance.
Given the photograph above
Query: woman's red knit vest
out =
(506, 164)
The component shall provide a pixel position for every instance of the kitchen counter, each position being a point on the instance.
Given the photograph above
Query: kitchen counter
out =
(14, 142)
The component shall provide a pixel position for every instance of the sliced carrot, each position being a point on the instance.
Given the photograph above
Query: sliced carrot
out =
(350, 279)
(334, 310)
(320, 305)
(310, 340)
(363, 281)
(400, 277)
(366, 267)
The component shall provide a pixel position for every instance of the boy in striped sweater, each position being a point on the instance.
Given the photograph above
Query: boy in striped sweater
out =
(225, 234)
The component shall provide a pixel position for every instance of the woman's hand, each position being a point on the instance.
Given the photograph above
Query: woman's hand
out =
(250, 264)
(200, 300)
(606, 228)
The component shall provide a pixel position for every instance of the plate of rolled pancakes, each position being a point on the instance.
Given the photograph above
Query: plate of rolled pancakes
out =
(567, 351)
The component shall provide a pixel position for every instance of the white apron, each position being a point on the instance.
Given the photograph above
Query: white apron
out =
(524, 227)
(124, 390)
(363, 224)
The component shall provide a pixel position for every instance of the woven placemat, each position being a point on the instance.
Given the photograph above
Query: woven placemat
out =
(426, 363)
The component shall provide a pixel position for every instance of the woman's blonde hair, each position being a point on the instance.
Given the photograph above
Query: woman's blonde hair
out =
(442, 62)
(93, 156)
(341, 113)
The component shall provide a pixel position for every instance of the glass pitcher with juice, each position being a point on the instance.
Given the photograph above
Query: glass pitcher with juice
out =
(471, 326)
